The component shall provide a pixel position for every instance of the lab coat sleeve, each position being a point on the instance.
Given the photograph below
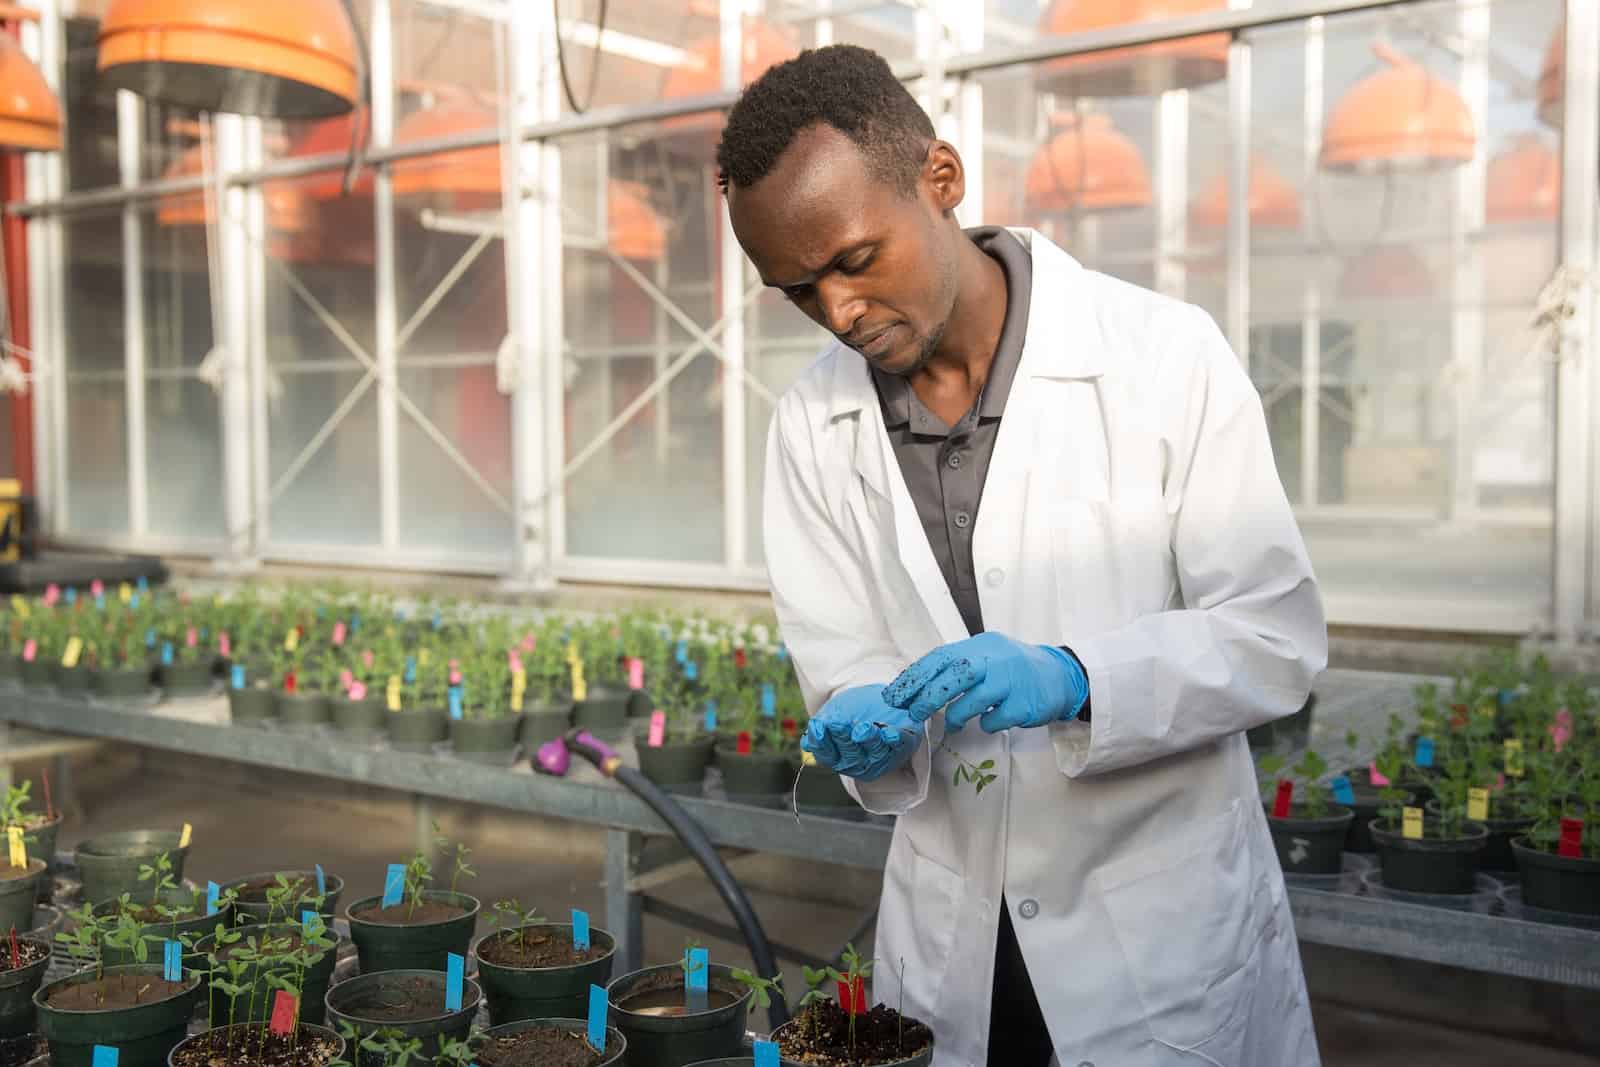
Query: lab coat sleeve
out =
(1250, 637)
(823, 596)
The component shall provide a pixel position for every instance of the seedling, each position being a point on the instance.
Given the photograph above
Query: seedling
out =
(761, 989)
(509, 916)
(857, 969)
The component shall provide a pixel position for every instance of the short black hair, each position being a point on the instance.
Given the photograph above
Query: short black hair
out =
(844, 86)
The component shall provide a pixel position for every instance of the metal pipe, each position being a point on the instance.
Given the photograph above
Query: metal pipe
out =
(130, 114)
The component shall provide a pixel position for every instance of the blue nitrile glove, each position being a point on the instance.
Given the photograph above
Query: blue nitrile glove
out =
(845, 737)
(1006, 682)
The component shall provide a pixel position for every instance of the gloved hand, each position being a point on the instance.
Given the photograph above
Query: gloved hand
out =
(844, 738)
(1006, 682)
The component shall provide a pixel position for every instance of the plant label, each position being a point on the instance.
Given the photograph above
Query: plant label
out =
(74, 649)
(1343, 792)
(697, 974)
(635, 673)
(346, 679)
(529, 642)
(691, 671)
(97, 588)
(455, 674)
(311, 923)
(680, 652)
(19, 605)
(411, 670)
(740, 660)
(289, 682)
(358, 691)
(30, 650)
(52, 593)
(338, 634)
(513, 660)
(213, 896)
(1424, 753)
(355, 621)
(150, 638)
(1375, 776)
(19, 851)
(1477, 804)
(766, 1054)
(1283, 799)
(394, 885)
(236, 676)
(580, 930)
(70, 596)
(322, 882)
(393, 695)
(172, 961)
(124, 592)
(454, 974)
(143, 584)
(519, 687)
(100, 603)
(291, 640)
(711, 716)
(597, 1018)
(1513, 757)
(166, 653)
(438, 618)
(1411, 824)
(580, 688)
(658, 729)
(857, 1004)
(1571, 842)
(224, 644)
(769, 700)
(366, 658)
(191, 638)
(104, 1056)
(454, 698)
(185, 837)
(742, 743)
(285, 1005)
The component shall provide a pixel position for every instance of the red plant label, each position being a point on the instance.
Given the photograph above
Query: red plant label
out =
(288, 682)
(1571, 845)
(856, 1005)
(284, 1007)
(790, 727)
(744, 743)
(739, 659)
(1280, 803)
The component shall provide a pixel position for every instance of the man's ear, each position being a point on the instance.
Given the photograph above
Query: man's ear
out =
(944, 177)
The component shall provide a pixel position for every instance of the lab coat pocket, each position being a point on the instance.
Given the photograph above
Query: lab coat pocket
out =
(1113, 557)
(1189, 915)
(918, 926)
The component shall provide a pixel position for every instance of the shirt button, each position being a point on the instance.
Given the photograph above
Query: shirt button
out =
(954, 461)
(1028, 908)
(995, 576)
(962, 519)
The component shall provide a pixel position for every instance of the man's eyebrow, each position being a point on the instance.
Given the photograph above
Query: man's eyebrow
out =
(838, 257)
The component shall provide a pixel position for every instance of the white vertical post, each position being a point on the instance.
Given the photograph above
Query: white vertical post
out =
(255, 275)
(46, 172)
(1172, 192)
(385, 322)
(734, 520)
(1310, 292)
(1467, 327)
(1239, 150)
(130, 133)
(229, 156)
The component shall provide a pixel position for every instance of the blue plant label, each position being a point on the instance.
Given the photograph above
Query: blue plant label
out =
(143, 583)
(70, 595)
(711, 717)
(782, 653)
(100, 602)
(597, 1018)
(1424, 752)
(691, 670)
(310, 922)
(355, 621)
(681, 652)
(769, 700)
(150, 638)
(411, 670)
(438, 619)
(394, 886)
(322, 882)
(455, 969)
(236, 676)
(455, 702)
(172, 961)
(133, 601)
(766, 1054)
(697, 977)
(1342, 792)
(213, 896)
(580, 930)
(166, 653)
(105, 1056)
(322, 611)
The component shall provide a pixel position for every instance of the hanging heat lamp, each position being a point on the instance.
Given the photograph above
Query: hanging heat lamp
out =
(1142, 70)
(1523, 183)
(333, 135)
(633, 228)
(1401, 117)
(285, 59)
(464, 179)
(1087, 167)
(289, 211)
(30, 117)
(764, 46)
(1274, 203)
(1553, 79)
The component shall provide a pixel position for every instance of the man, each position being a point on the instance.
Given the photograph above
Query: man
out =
(1076, 471)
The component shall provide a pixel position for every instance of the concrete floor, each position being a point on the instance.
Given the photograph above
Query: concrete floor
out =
(1370, 1011)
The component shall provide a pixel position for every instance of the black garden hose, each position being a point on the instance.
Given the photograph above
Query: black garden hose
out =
(694, 839)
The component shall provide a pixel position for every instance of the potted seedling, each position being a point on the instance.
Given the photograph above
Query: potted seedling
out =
(1309, 835)
(251, 674)
(186, 662)
(391, 1017)
(422, 719)
(531, 969)
(258, 1045)
(482, 724)
(844, 1031)
(755, 761)
(109, 864)
(175, 914)
(1473, 785)
(548, 1042)
(1418, 854)
(424, 926)
(23, 961)
(40, 649)
(1560, 856)
(675, 750)
(279, 896)
(599, 684)
(39, 828)
(131, 1008)
(356, 705)
(248, 964)
(301, 698)
(119, 668)
(679, 1013)
(547, 701)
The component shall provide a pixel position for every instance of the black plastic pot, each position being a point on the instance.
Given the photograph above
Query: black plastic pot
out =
(185, 679)
(1368, 804)
(822, 792)
(1557, 883)
(142, 1035)
(755, 778)
(639, 704)
(256, 910)
(544, 722)
(1311, 846)
(72, 681)
(672, 1040)
(10, 667)
(301, 709)
(368, 717)
(38, 673)
(1497, 855)
(353, 1002)
(543, 992)
(616, 1045)
(255, 1005)
(222, 1035)
(41, 843)
(1431, 864)
(16, 992)
(478, 736)
(392, 947)
(109, 863)
(120, 683)
(603, 712)
(677, 768)
(418, 729)
(254, 703)
(199, 924)
(921, 1059)
(18, 895)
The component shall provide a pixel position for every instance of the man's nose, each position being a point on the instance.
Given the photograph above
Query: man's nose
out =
(841, 307)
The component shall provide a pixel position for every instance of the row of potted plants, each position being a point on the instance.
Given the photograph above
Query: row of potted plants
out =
(1501, 774)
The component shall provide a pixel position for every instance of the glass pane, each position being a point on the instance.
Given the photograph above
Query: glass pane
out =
(95, 442)
(88, 109)
(447, 59)
(782, 343)
(97, 456)
(334, 498)
(442, 507)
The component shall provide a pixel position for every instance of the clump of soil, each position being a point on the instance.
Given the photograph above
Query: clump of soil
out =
(16, 1051)
(544, 1046)
(240, 1048)
(550, 947)
(114, 991)
(28, 952)
(402, 914)
(255, 890)
(402, 1001)
(821, 1036)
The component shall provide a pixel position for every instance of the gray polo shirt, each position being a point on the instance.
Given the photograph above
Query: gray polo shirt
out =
(945, 466)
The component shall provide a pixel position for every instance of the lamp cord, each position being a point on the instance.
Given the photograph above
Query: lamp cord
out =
(359, 125)
(594, 64)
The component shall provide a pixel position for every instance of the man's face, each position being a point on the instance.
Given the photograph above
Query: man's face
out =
(873, 266)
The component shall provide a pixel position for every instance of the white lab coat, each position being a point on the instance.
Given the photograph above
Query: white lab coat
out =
(1132, 512)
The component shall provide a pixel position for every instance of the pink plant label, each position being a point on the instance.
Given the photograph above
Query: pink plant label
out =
(29, 650)
(224, 645)
(1375, 777)
(529, 642)
(1285, 797)
(1561, 729)
(346, 679)
(514, 661)
(97, 588)
(366, 658)
(658, 729)
(635, 673)
(284, 1008)
(52, 594)
(338, 632)
(192, 638)
(455, 676)
(358, 691)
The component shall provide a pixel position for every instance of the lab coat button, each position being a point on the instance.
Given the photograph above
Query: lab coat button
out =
(995, 577)
(962, 518)
(1028, 908)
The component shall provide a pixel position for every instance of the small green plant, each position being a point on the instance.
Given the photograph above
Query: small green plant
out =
(1269, 767)
(509, 917)
(1315, 798)
(459, 867)
(857, 969)
(761, 989)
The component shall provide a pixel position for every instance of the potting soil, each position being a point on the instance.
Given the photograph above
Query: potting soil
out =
(16, 1051)
(546, 1046)
(544, 949)
(114, 991)
(249, 1050)
(9, 873)
(821, 1036)
(402, 914)
(401, 1001)
(28, 952)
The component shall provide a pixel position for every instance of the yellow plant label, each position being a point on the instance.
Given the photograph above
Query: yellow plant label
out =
(125, 592)
(185, 837)
(1486, 711)
(519, 686)
(580, 688)
(394, 692)
(1513, 757)
(572, 655)
(422, 657)
(19, 604)
(74, 649)
(1411, 824)
(19, 851)
(291, 640)
(1477, 804)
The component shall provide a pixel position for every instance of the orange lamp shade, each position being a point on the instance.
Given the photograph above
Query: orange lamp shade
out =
(1138, 71)
(288, 209)
(1552, 89)
(30, 117)
(1389, 272)
(332, 135)
(764, 47)
(274, 58)
(634, 228)
(1274, 203)
(467, 179)
(1399, 117)
(1089, 166)
(1523, 184)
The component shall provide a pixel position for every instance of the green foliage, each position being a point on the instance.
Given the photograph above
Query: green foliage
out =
(761, 989)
